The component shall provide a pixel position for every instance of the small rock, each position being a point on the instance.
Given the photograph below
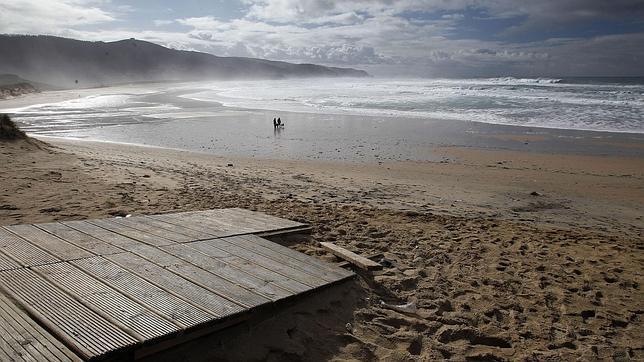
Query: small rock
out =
(229, 165)
(534, 193)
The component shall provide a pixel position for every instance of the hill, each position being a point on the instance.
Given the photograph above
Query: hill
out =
(69, 62)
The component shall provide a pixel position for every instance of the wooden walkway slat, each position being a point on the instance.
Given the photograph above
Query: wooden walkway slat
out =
(326, 269)
(102, 299)
(144, 237)
(259, 259)
(218, 224)
(104, 235)
(143, 226)
(182, 220)
(23, 251)
(128, 287)
(175, 284)
(227, 271)
(90, 334)
(194, 235)
(48, 242)
(42, 345)
(144, 292)
(225, 288)
(71, 235)
(250, 267)
(6, 262)
(302, 267)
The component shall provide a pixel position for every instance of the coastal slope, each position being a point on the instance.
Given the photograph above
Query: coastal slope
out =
(75, 63)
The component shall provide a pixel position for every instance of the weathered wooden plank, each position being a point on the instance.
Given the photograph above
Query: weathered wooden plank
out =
(111, 225)
(48, 242)
(6, 262)
(162, 225)
(22, 328)
(259, 259)
(107, 301)
(144, 292)
(26, 253)
(73, 236)
(175, 284)
(250, 267)
(143, 226)
(182, 219)
(227, 271)
(351, 257)
(265, 221)
(326, 269)
(98, 232)
(218, 223)
(83, 330)
(213, 282)
(303, 267)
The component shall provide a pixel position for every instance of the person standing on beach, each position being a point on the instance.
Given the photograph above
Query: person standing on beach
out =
(279, 122)
(274, 123)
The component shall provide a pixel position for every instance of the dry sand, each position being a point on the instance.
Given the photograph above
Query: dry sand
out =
(494, 271)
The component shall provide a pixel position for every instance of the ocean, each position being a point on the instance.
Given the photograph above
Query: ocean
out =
(326, 118)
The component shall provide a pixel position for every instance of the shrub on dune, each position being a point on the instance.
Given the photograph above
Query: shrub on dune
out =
(9, 130)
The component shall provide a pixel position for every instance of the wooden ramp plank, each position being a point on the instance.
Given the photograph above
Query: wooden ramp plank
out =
(42, 345)
(98, 232)
(162, 225)
(142, 225)
(213, 282)
(325, 269)
(175, 284)
(238, 276)
(111, 225)
(6, 262)
(304, 267)
(181, 220)
(102, 299)
(351, 257)
(71, 235)
(217, 223)
(279, 266)
(48, 242)
(144, 292)
(23, 251)
(250, 267)
(265, 222)
(89, 334)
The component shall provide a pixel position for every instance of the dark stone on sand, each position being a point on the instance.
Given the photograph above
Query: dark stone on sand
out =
(8, 207)
(229, 165)
(50, 209)
(534, 193)
(587, 314)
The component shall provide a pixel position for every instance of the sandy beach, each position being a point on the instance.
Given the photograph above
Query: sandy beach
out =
(505, 254)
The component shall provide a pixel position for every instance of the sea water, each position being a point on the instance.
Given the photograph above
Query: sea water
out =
(349, 119)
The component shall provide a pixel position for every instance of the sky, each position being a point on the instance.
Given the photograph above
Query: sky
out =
(419, 38)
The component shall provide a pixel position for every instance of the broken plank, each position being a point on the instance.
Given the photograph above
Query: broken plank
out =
(351, 257)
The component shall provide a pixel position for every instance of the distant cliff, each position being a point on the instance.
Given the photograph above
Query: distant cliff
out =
(70, 63)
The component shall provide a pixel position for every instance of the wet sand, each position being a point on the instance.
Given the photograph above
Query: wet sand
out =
(507, 254)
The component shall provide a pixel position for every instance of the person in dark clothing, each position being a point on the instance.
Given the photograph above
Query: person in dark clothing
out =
(274, 123)
(279, 122)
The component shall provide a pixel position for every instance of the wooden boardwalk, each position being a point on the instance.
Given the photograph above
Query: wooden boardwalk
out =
(129, 287)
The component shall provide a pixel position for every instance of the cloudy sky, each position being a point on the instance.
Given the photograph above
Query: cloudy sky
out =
(430, 38)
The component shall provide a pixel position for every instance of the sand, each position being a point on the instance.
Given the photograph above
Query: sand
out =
(506, 254)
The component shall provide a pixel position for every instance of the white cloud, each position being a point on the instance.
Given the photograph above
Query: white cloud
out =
(33, 16)
(370, 34)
